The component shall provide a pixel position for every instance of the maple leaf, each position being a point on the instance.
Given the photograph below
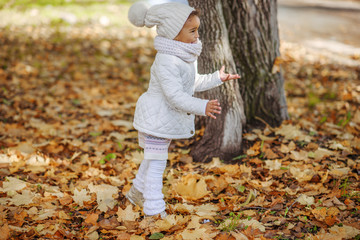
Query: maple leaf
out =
(171, 221)
(104, 195)
(4, 232)
(273, 164)
(128, 214)
(183, 208)
(206, 210)
(93, 235)
(194, 234)
(44, 214)
(36, 160)
(123, 123)
(25, 198)
(12, 184)
(239, 236)
(81, 196)
(254, 224)
(192, 187)
(302, 175)
(339, 172)
(288, 131)
(336, 232)
(305, 200)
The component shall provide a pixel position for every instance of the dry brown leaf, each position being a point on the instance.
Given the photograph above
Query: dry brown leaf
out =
(306, 200)
(192, 187)
(301, 174)
(92, 218)
(128, 214)
(81, 196)
(12, 184)
(4, 232)
(105, 195)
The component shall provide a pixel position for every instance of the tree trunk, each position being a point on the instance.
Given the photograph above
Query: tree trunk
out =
(254, 41)
(243, 36)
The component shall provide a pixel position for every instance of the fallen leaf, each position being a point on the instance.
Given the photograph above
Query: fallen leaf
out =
(302, 175)
(128, 214)
(254, 224)
(273, 164)
(12, 184)
(4, 232)
(306, 200)
(104, 195)
(81, 196)
(25, 198)
(192, 187)
(339, 172)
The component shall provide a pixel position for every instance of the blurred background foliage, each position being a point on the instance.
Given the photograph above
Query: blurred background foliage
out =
(64, 12)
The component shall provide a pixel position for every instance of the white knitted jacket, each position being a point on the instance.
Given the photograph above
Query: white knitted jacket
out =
(167, 109)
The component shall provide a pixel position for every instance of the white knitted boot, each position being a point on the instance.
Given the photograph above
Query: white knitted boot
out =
(139, 181)
(154, 198)
(135, 195)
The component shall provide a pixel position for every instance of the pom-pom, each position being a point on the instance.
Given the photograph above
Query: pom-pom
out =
(137, 13)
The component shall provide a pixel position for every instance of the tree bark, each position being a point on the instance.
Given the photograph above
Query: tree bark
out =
(254, 41)
(243, 36)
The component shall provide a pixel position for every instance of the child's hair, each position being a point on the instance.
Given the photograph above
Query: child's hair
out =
(196, 12)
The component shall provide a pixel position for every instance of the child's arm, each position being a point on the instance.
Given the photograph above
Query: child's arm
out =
(170, 81)
(205, 82)
(226, 76)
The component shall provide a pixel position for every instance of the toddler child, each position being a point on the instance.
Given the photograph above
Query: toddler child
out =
(167, 109)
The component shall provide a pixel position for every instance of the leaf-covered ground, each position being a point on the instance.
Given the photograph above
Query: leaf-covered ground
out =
(69, 152)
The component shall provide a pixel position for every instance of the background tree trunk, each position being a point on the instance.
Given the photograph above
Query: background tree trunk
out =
(222, 136)
(254, 41)
(243, 36)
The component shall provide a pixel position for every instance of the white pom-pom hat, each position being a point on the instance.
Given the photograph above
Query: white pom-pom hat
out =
(169, 18)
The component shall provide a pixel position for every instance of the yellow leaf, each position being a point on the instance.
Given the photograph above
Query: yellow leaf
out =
(254, 224)
(104, 195)
(192, 187)
(299, 156)
(302, 175)
(356, 117)
(81, 196)
(305, 200)
(336, 233)
(25, 198)
(13, 184)
(206, 210)
(128, 214)
(273, 164)
(339, 172)
(197, 233)
(170, 221)
(319, 213)
(320, 153)
(183, 208)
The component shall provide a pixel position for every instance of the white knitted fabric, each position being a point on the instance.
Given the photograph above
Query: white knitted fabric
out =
(149, 179)
(169, 18)
(139, 181)
(188, 52)
(154, 198)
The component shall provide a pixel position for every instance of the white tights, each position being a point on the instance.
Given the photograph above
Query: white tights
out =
(149, 181)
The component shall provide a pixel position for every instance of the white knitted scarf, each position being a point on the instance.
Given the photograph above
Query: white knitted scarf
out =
(188, 52)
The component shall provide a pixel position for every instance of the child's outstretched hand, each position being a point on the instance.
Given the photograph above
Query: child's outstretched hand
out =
(213, 106)
(226, 76)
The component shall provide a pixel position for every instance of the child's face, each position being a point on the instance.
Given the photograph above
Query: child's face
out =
(189, 32)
